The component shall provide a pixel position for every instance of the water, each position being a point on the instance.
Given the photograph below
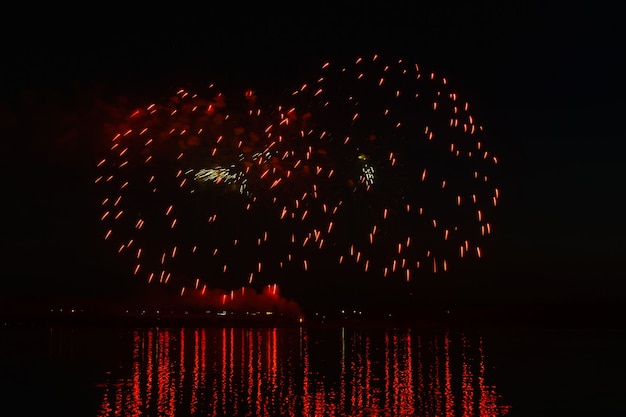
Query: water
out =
(310, 371)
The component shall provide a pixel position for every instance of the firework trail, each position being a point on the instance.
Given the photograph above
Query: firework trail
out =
(372, 167)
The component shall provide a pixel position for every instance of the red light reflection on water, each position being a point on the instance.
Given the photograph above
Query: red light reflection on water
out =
(289, 371)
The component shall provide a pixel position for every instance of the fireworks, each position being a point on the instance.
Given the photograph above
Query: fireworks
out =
(373, 167)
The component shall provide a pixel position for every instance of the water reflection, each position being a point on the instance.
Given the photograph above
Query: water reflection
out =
(301, 372)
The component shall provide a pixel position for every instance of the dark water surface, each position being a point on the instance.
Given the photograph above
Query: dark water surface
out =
(311, 371)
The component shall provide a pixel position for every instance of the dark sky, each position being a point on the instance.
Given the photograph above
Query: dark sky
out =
(548, 83)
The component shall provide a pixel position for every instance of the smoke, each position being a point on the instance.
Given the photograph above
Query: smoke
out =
(242, 300)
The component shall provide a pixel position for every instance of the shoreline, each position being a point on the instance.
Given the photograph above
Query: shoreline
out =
(478, 321)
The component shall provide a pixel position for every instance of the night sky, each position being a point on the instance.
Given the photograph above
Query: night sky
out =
(546, 82)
